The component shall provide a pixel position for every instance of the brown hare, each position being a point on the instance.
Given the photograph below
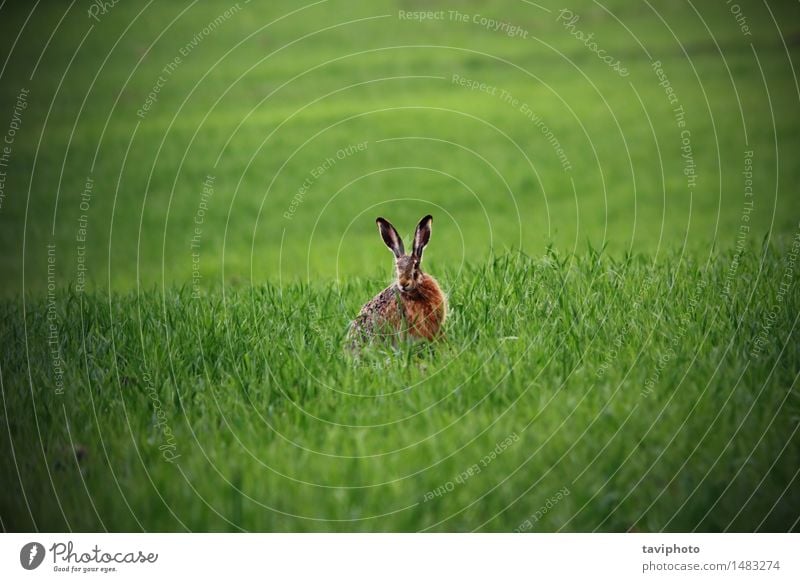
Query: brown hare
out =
(411, 307)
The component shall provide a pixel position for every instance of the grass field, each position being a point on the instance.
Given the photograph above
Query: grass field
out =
(656, 407)
(186, 226)
(232, 109)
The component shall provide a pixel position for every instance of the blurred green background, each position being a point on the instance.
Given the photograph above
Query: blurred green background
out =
(267, 92)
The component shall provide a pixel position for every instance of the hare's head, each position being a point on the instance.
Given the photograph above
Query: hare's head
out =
(409, 271)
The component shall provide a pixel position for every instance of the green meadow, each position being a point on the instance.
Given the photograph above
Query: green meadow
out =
(655, 408)
(187, 201)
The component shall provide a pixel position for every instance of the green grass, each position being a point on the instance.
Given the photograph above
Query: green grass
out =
(227, 111)
(633, 385)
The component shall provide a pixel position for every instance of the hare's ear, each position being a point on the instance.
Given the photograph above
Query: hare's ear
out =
(422, 236)
(390, 237)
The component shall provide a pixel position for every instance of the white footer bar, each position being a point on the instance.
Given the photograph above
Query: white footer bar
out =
(401, 557)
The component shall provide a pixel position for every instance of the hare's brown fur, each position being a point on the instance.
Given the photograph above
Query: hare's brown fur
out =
(425, 309)
(393, 312)
(414, 305)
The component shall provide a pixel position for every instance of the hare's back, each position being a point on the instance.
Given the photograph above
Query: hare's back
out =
(382, 310)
